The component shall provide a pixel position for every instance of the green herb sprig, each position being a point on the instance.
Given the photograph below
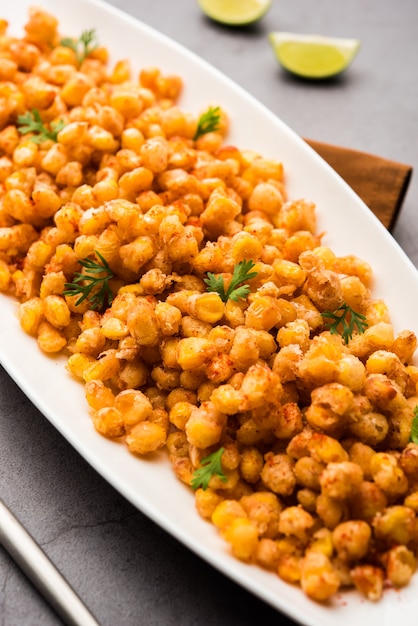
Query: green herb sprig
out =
(348, 319)
(210, 466)
(93, 284)
(32, 122)
(208, 122)
(414, 427)
(83, 46)
(236, 290)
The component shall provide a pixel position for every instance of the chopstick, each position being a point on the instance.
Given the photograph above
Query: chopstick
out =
(37, 566)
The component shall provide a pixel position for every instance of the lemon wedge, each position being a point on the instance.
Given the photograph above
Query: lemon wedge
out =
(235, 12)
(313, 56)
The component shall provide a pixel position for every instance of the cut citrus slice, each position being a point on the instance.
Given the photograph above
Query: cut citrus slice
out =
(235, 12)
(313, 56)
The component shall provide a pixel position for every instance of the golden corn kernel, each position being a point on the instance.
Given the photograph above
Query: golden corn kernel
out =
(108, 422)
(242, 536)
(146, 437)
(78, 363)
(207, 307)
(114, 328)
(56, 311)
(128, 103)
(193, 352)
(400, 565)
(103, 369)
(180, 413)
(204, 426)
(98, 395)
(50, 339)
(30, 315)
(318, 579)
(368, 580)
(143, 324)
(226, 512)
(134, 406)
(206, 502)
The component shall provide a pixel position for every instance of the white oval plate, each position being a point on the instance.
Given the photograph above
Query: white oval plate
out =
(150, 484)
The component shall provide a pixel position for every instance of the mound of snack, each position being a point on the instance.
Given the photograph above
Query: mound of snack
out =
(204, 316)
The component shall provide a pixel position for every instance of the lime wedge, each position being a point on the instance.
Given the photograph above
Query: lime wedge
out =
(235, 12)
(313, 56)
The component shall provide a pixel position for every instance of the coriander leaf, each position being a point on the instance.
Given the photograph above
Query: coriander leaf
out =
(414, 428)
(210, 466)
(240, 275)
(348, 319)
(236, 289)
(216, 283)
(208, 122)
(240, 292)
(31, 122)
(83, 46)
(93, 284)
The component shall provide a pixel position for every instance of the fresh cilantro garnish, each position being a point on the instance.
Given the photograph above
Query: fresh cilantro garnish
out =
(31, 122)
(236, 290)
(83, 46)
(93, 284)
(348, 319)
(414, 427)
(210, 466)
(208, 122)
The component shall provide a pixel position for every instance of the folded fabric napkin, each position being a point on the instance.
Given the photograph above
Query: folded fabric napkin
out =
(380, 183)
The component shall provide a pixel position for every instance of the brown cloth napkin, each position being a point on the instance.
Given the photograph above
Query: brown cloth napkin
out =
(380, 183)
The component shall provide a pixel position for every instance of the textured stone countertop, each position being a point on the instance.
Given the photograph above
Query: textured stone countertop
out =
(126, 569)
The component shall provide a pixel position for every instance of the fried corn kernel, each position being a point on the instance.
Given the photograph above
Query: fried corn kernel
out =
(388, 475)
(278, 474)
(318, 578)
(289, 568)
(308, 471)
(395, 524)
(226, 512)
(207, 307)
(142, 323)
(369, 501)
(368, 580)
(331, 511)
(104, 368)
(321, 541)
(204, 426)
(400, 564)
(30, 315)
(134, 406)
(90, 341)
(340, 480)
(296, 522)
(263, 509)
(146, 437)
(98, 395)
(193, 352)
(326, 449)
(78, 363)
(50, 339)
(242, 536)
(206, 502)
(56, 311)
(351, 540)
(267, 554)
(108, 422)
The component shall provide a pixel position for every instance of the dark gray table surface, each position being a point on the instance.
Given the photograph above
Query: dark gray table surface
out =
(128, 570)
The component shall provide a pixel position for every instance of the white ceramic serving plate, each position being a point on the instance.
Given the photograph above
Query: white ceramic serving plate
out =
(351, 228)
